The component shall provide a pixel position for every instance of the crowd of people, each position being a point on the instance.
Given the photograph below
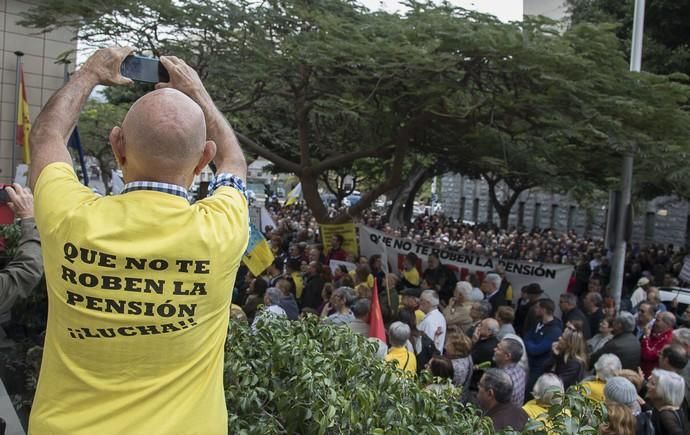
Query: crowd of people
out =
(105, 343)
(510, 358)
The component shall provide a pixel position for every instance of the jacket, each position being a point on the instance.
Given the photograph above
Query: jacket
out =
(625, 346)
(650, 348)
(538, 344)
(507, 414)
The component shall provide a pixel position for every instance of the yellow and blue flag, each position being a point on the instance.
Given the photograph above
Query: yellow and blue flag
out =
(294, 195)
(258, 255)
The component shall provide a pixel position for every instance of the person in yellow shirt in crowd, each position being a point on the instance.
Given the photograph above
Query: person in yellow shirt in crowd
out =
(605, 368)
(398, 334)
(546, 392)
(410, 274)
(410, 300)
(293, 269)
(139, 284)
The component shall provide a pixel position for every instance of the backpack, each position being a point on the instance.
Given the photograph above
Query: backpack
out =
(428, 351)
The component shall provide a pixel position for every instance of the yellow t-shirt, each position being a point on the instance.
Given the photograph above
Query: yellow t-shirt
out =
(419, 316)
(596, 388)
(299, 284)
(534, 409)
(405, 359)
(139, 288)
(411, 276)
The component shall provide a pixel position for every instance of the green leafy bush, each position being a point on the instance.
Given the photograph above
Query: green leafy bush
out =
(576, 414)
(306, 377)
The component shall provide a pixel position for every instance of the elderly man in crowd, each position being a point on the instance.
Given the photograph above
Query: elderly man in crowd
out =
(507, 355)
(434, 324)
(457, 312)
(272, 299)
(360, 310)
(654, 340)
(640, 293)
(594, 308)
(624, 344)
(645, 318)
(338, 302)
(23, 273)
(478, 312)
(493, 291)
(571, 313)
(681, 337)
(494, 397)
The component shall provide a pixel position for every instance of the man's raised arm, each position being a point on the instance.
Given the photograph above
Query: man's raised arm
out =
(51, 130)
(229, 157)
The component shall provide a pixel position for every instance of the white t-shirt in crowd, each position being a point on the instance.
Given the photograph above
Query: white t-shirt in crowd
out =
(431, 323)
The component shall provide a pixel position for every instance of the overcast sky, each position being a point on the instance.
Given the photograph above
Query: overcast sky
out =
(505, 10)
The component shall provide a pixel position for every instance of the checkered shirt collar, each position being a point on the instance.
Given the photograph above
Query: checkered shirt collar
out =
(157, 186)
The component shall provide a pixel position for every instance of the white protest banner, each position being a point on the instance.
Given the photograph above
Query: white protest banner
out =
(553, 278)
(334, 264)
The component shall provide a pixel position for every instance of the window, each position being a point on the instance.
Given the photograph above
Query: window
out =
(571, 217)
(462, 208)
(649, 224)
(475, 210)
(554, 214)
(521, 215)
(537, 216)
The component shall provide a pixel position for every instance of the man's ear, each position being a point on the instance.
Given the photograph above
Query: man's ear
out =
(208, 155)
(117, 143)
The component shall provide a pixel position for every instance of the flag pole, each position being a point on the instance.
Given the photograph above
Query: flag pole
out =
(19, 55)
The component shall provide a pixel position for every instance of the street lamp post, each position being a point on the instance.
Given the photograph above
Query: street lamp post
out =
(617, 271)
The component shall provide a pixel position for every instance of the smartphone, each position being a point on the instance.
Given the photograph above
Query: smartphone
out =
(144, 69)
(4, 196)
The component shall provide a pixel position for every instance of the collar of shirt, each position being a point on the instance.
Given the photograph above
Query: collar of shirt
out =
(156, 186)
(489, 296)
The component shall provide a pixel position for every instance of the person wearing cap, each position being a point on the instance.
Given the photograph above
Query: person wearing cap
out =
(619, 390)
(410, 300)
(457, 312)
(525, 315)
(640, 293)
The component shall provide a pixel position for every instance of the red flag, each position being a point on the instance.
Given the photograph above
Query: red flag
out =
(376, 328)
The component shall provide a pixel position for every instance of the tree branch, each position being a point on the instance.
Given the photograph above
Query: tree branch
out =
(342, 159)
(280, 162)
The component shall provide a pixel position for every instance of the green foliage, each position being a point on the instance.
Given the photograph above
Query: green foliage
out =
(575, 414)
(323, 85)
(11, 235)
(306, 377)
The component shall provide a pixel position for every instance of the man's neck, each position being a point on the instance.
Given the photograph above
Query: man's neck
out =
(546, 319)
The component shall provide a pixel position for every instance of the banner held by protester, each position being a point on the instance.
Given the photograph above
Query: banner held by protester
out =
(553, 278)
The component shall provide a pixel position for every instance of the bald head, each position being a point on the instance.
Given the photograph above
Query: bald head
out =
(164, 131)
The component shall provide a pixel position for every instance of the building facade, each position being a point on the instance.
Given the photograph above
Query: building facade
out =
(662, 220)
(42, 75)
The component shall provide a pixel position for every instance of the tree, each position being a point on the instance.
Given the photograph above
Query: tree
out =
(95, 123)
(665, 46)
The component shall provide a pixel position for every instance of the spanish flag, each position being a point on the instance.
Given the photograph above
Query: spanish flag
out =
(23, 118)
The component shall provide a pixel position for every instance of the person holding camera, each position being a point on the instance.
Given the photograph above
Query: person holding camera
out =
(139, 284)
(24, 271)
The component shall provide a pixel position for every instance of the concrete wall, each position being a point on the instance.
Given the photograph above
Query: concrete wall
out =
(42, 76)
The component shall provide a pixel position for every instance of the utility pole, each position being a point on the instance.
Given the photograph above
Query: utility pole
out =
(618, 266)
